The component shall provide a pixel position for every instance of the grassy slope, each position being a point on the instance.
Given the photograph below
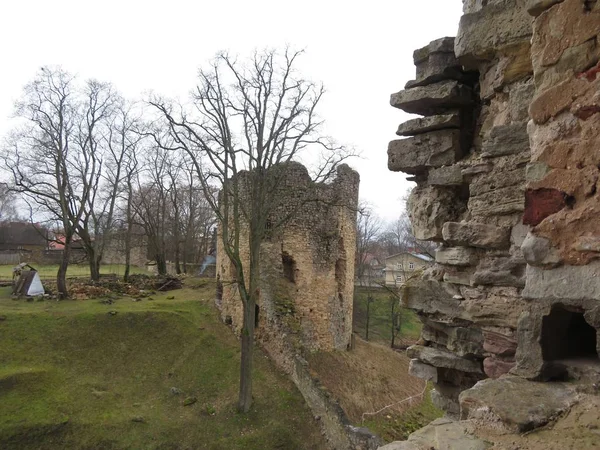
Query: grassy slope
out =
(369, 378)
(380, 318)
(73, 376)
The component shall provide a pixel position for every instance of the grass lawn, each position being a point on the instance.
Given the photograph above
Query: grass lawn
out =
(380, 313)
(88, 375)
(74, 270)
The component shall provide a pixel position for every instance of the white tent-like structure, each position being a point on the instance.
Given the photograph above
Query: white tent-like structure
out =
(28, 283)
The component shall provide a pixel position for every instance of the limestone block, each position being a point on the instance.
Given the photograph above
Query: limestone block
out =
(423, 371)
(574, 60)
(500, 272)
(440, 358)
(508, 66)
(520, 411)
(496, 367)
(499, 344)
(497, 179)
(460, 340)
(506, 140)
(537, 7)
(563, 283)
(498, 202)
(529, 351)
(536, 171)
(483, 33)
(500, 307)
(434, 149)
(433, 99)
(456, 256)
(433, 298)
(429, 208)
(518, 234)
(476, 235)
(426, 124)
(458, 276)
(436, 62)
(568, 24)
(538, 251)
(445, 176)
(477, 169)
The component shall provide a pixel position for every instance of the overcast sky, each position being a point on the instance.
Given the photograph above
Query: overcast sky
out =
(361, 51)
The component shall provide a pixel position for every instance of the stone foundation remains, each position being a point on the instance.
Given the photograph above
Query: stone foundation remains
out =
(507, 163)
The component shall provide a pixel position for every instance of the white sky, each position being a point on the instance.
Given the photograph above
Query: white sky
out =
(361, 51)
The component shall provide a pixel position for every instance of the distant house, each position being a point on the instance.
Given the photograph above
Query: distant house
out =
(399, 267)
(371, 272)
(21, 241)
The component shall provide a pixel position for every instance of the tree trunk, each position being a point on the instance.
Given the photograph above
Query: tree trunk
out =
(161, 264)
(61, 276)
(245, 399)
(250, 319)
(368, 316)
(94, 263)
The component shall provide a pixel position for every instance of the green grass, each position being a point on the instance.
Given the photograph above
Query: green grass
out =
(74, 270)
(74, 376)
(380, 313)
(397, 428)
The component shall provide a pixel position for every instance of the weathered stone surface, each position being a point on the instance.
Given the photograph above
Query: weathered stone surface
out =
(445, 176)
(500, 272)
(573, 61)
(568, 18)
(429, 208)
(527, 406)
(433, 99)
(441, 434)
(495, 367)
(476, 235)
(536, 171)
(587, 244)
(499, 202)
(506, 140)
(416, 154)
(499, 344)
(460, 340)
(441, 358)
(508, 66)
(448, 404)
(477, 169)
(541, 203)
(536, 7)
(427, 124)
(422, 371)
(563, 283)
(496, 307)
(458, 276)
(560, 97)
(538, 251)
(433, 298)
(497, 179)
(484, 33)
(456, 256)
(518, 234)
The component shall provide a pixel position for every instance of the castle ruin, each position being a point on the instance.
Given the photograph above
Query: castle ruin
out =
(307, 267)
(507, 162)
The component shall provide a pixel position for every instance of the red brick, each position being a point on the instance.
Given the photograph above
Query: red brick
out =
(541, 203)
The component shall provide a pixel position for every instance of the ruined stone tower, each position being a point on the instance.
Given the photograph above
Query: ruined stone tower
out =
(307, 267)
(507, 165)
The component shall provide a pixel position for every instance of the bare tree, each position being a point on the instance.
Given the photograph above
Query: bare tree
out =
(368, 226)
(44, 160)
(245, 120)
(8, 204)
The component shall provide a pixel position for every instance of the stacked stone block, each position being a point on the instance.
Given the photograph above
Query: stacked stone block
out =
(468, 156)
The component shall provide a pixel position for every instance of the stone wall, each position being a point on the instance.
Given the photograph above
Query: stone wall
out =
(307, 265)
(506, 160)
